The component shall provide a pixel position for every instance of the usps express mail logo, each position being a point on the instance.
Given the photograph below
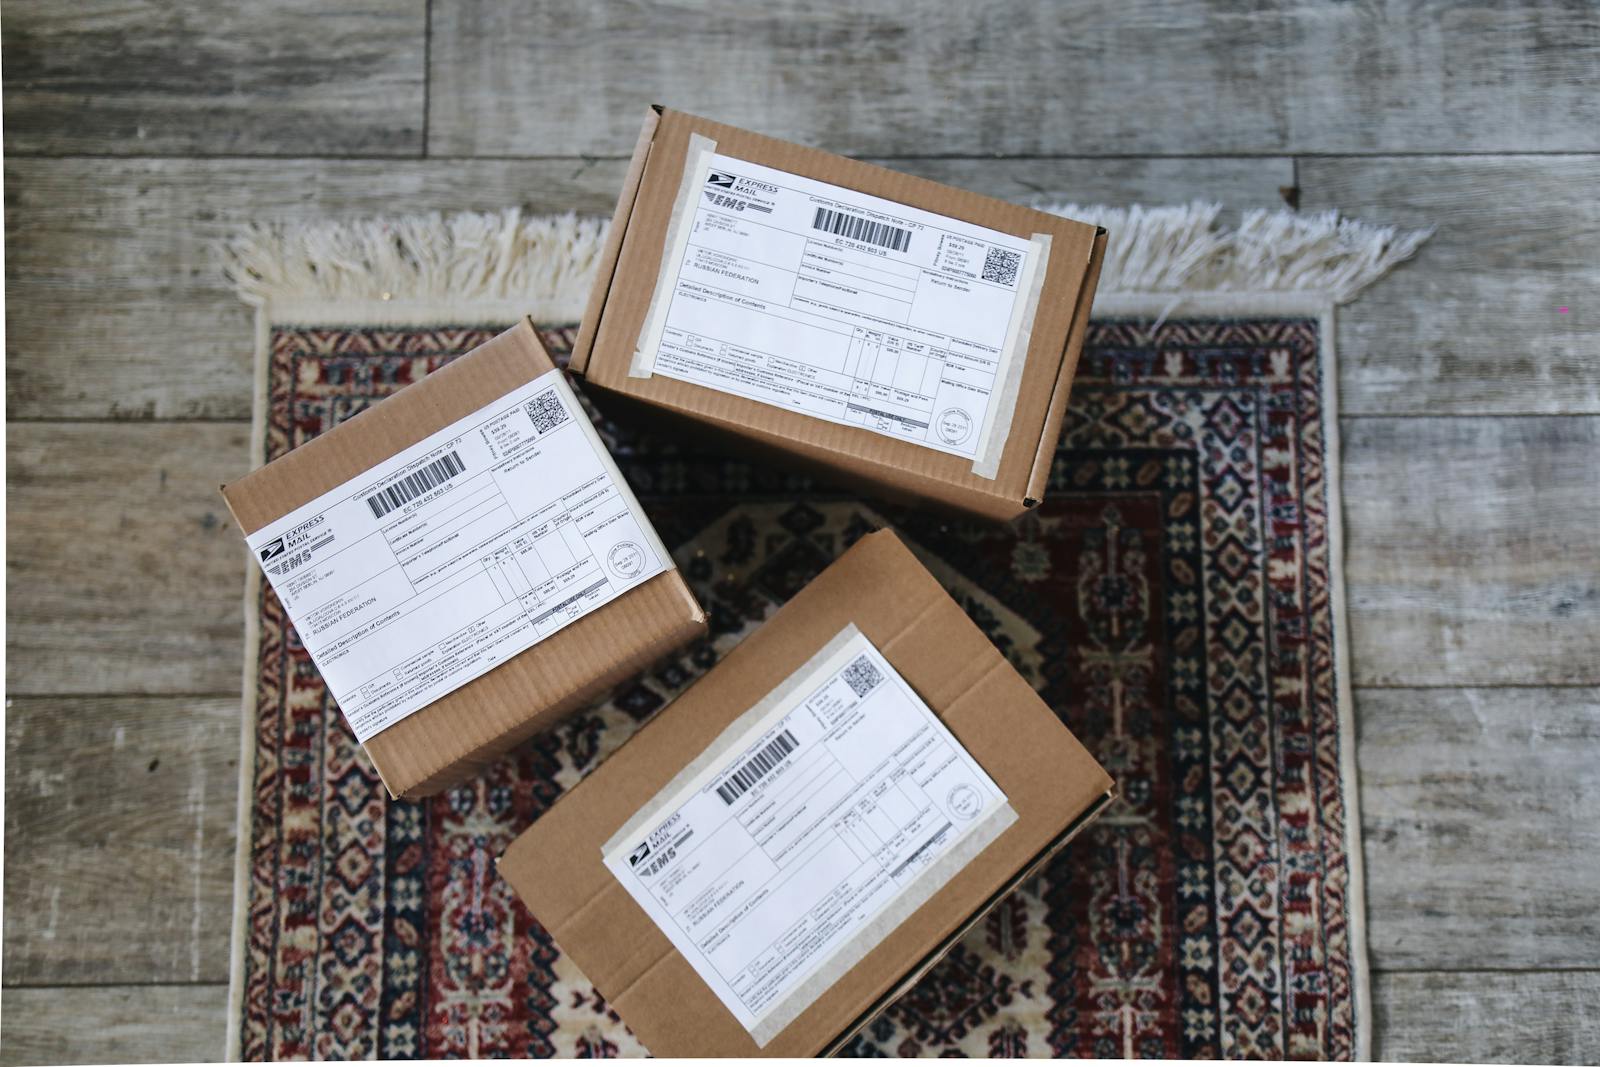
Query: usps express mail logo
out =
(272, 549)
(721, 180)
(638, 854)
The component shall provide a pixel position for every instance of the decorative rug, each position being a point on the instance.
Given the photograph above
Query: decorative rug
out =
(1176, 599)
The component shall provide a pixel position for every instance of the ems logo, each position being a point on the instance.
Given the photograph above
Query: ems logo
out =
(638, 854)
(272, 550)
(723, 180)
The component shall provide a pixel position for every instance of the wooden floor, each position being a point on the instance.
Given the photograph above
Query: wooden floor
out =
(136, 134)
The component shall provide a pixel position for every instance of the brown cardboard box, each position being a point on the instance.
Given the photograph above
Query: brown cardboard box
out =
(1052, 782)
(446, 741)
(627, 279)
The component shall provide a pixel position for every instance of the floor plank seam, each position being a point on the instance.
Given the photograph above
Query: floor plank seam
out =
(427, 72)
(1376, 970)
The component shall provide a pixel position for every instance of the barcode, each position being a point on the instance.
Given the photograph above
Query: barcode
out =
(862, 676)
(756, 769)
(1000, 265)
(547, 411)
(415, 484)
(859, 229)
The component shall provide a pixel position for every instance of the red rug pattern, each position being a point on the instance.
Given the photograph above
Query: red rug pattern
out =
(1170, 600)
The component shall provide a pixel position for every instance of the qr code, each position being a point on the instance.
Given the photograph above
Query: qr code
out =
(1000, 265)
(862, 676)
(546, 411)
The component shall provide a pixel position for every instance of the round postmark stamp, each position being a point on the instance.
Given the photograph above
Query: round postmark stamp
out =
(626, 559)
(965, 801)
(953, 426)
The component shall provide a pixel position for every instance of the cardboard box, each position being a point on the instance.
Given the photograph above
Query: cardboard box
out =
(616, 343)
(1053, 784)
(466, 728)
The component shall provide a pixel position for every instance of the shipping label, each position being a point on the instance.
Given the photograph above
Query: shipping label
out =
(463, 550)
(843, 306)
(816, 824)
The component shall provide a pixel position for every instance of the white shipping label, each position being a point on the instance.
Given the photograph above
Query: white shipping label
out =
(444, 561)
(843, 306)
(817, 822)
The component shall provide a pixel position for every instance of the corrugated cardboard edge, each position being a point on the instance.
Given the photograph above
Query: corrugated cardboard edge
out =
(589, 326)
(1039, 477)
(941, 950)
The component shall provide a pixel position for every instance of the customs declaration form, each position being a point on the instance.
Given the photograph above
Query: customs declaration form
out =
(817, 823)
(844, 306)
(454, 555)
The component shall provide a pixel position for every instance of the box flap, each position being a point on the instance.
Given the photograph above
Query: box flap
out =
(583, 343)
(1039, 477)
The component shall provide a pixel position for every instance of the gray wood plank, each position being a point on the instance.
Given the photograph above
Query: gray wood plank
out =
(1471, 553)
(1480, 812)
(1488, 1017)
(114, 1024)
(118, 310)
(124, 571)
(119, 840)
(1475, 323)
(1017, 77)
(294, 77)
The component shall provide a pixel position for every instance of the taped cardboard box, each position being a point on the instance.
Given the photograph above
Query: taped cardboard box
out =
(646, 821)
(464, 563)
(906, 337)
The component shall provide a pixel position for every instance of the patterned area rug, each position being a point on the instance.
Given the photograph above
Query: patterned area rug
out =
(1175, 600)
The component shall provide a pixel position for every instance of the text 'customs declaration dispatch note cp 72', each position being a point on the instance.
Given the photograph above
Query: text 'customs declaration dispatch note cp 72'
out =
(844, 306)
(450, 557)
(818, 822)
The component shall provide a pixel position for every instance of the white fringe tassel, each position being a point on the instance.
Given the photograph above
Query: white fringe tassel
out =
(543, 261)
(546, 262)
(1183, 250)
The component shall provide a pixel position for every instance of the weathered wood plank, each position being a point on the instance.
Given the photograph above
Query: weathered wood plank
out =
(124, 571)
(114, 1024)
(1480, 812)
(1018, 77)
(1471, 551)
(119, 840)
(1494, 314)
(117, 304)
(117, 308)
(1488, 1017)
(294, 77)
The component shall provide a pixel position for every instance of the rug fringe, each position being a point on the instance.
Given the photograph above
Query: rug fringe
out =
(1183, 249)
(547, 261)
